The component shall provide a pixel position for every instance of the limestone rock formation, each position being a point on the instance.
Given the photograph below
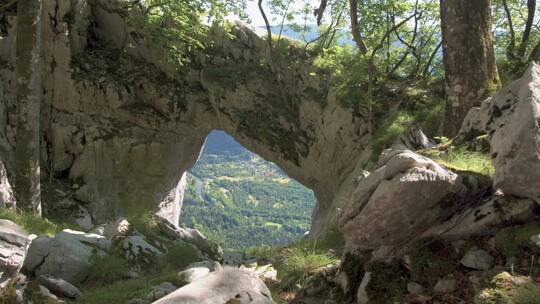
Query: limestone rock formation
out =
(511, 120)
(13, 242)
(126, 135)
(399, 200)
(226, 286)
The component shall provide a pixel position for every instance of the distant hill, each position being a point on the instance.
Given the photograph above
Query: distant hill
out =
(311, 33)
(241, 200)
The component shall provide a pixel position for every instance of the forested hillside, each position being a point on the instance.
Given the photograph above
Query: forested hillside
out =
(238, 198)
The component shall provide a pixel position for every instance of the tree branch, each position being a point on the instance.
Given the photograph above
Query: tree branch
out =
(357, 37)
(531, 8)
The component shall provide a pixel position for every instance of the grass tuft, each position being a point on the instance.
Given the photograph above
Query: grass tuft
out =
(464, 160)
(123, 291)
(35, 224)
(297, 264)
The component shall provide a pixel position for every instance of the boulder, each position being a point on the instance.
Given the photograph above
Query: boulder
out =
(66, 256)
(403, 197)
(7, 199)
(59, 286)
(192, 274)
(13, 241)
(511, 120)
(478, 259)
(226, 286)
(485, 218)
(136, 248)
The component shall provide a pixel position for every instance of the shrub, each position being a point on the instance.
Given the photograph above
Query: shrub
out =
(514, 241)
(179, 256)
(388, 281)
(8, 294)
(432, 259)
(508, 289)
(105, 270)
(125, 290)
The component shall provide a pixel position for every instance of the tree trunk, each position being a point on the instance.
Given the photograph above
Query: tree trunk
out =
(469, 59)
(29, 94)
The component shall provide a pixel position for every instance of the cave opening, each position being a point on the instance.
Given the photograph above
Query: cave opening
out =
(238, 198)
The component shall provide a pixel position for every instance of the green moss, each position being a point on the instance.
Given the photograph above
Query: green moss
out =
(388, 282)
(432, 259)
(506, 289)
(35, 224)
(514, 241)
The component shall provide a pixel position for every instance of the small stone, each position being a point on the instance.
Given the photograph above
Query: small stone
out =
(59, 286)
(478, 259)
(535, 239)
(161, 290)
(415, 288)
(445, 286)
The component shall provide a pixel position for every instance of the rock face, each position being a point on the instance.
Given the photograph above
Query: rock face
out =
(66, 256)
(511, 120)
(127, 138)
(13, 242)
(225, 286)
(405, 195)
(7, 200)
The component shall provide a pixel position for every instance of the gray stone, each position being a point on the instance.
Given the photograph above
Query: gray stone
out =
(415, 288)
(47, 295)
(510, 118)
(222, 287)
(478, 259)
(136, 248)
(535, 239)
(402, 198)
(59, 286)
(66, 256)
(445, 286)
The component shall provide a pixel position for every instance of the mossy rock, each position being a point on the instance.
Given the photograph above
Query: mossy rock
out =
(388, 281)
(432, 259)
(505, 288)
(515, 241)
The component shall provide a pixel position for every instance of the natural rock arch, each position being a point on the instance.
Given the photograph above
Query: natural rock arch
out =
(125, 127)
